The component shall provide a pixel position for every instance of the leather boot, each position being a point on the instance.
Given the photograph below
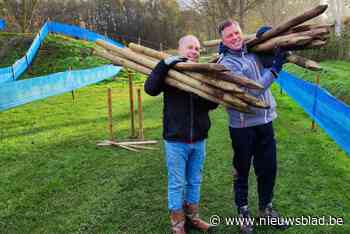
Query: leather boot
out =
(177, 220)
(193, 220)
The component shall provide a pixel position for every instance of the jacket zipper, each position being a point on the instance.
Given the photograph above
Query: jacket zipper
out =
(241, 115)
(259, 77)
(262, 95)
(191, 116)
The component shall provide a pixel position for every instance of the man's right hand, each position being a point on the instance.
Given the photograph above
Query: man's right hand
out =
(172, 60)
(262, 30)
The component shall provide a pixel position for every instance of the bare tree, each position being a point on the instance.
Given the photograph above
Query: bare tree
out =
(273, 12)
(22, 12)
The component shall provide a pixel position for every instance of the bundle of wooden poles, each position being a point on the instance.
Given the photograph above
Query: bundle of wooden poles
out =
(208, 80)
(213, 81)
(291, 35)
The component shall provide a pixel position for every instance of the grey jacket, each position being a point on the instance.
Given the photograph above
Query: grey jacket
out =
(248, 65)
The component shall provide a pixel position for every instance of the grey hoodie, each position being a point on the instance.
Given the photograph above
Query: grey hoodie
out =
(248, 65)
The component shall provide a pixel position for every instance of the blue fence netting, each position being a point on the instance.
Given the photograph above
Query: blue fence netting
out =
(327, 111)
(2, 24)
(24, 91)
(14, 92)
(21, 65)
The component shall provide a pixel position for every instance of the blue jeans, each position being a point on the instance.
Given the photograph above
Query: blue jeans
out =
(185, 165)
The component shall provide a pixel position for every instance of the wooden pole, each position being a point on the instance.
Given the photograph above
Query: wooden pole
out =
(289, 24)
(313, 124)
(110, 120)
(304, 62)
(173, 82)
(133, 56)
(140, 114)
(131, 99)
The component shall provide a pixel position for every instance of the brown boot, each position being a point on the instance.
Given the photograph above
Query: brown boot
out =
(193, 220)
(177, 220)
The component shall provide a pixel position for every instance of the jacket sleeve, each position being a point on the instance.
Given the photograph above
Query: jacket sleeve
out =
(266, 59)
(209, 105)
(204, 103)
(264, 64)
(267, 77)
(155, 82)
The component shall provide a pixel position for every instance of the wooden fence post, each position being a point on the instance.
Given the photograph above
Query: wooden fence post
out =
(110, 119)
(140, 114)
(131, 99)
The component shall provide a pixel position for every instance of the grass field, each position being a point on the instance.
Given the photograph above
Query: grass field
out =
(53, 178)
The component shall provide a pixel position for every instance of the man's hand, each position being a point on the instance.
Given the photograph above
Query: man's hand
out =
(172, 60)
(278, 60)
(262, 30)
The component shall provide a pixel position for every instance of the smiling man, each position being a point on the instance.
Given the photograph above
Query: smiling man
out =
(185, 128)
(252, 135)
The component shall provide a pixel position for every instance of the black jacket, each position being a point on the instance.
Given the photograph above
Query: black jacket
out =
(185, 115)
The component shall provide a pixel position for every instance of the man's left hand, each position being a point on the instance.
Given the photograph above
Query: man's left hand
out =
(278, 60)
(172, 60)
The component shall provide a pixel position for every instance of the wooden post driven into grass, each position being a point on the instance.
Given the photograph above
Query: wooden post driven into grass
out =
(140, 114)
(313, 124)
(110, 119)
(131, 98)
(73, 95)
(131, 145)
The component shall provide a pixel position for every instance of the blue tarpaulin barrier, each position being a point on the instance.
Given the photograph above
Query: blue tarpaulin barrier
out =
(14, 92)
(2, 24)
(327, 111)
(20, 66)
(17, 93)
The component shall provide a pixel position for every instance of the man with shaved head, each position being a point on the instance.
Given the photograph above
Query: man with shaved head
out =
(185, 128)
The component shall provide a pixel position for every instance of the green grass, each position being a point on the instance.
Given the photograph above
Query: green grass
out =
(334, 78)
(54, 179)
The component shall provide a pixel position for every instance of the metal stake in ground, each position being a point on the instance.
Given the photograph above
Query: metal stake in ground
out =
(140, 114)
(131, 98)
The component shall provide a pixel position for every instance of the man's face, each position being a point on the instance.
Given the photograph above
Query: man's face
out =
(232, 37)
(189, 49)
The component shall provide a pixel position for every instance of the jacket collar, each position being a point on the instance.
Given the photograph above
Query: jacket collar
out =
(225, 49)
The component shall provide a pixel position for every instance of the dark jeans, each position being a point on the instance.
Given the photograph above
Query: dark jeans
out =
(257, 143)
